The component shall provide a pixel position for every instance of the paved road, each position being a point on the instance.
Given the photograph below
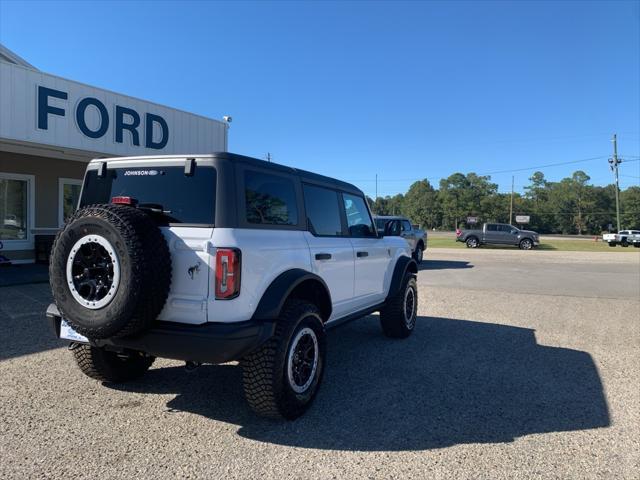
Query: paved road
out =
(502, 379)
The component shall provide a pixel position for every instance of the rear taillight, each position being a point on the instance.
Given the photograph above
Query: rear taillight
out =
(228, 266)
(124, 201)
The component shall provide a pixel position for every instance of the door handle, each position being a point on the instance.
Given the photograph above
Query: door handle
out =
(362, 254)
(323, 256)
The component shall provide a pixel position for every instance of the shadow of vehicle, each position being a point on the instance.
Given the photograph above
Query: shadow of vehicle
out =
(443, 264)
(452, 382)
(23, 328)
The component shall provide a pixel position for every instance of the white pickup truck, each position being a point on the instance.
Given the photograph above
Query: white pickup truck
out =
(623, 237)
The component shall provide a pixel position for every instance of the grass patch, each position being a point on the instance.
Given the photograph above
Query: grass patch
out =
(558, 245)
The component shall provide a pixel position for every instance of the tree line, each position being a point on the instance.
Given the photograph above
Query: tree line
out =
(570, 206)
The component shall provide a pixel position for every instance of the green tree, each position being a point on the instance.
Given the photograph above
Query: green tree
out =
(630, 208)
(461, 196)
(421, 204)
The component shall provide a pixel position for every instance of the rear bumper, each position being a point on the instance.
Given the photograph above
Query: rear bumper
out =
(206, 343)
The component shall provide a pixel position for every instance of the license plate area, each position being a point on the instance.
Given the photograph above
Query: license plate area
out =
(68, 333)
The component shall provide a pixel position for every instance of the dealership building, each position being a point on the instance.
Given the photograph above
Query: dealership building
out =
(51, 127)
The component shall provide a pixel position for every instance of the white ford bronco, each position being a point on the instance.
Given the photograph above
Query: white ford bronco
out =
(216, 258)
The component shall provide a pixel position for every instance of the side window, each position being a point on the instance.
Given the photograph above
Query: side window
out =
(492, 227)
(406, 226)
(358, 218)
(323, 210)
(270, 199)
(504, 228)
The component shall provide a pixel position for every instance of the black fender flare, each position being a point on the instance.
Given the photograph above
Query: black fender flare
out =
(280, 289)
(403, 265)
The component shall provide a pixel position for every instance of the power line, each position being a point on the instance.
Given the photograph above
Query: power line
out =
(545, 166)
(414, 179)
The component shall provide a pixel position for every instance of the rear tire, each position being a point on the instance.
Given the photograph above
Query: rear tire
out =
(624, 243)
(612, 244)
(106, 366)
(398, 316)
(472, 242)
(282, 377)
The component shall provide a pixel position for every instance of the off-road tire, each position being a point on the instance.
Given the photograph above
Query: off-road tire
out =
(264, 371)
(106, 366)
(144, 265)
(526, 244)
(418, 254)
(472, 242)
(392, 315)
(612, 244)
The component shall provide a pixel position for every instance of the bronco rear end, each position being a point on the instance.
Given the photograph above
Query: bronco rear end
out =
(138, 268)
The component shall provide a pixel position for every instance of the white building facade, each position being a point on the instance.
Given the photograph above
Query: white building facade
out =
(50, 127)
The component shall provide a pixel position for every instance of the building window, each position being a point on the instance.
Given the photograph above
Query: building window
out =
(68, 197)
(16, 211)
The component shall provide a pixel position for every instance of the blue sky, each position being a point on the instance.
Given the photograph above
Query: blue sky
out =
(405, 90)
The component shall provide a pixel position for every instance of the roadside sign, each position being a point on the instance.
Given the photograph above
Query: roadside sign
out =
(522, 218)
(472, 219)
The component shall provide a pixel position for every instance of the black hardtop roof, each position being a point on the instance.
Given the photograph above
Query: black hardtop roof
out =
(276, 167)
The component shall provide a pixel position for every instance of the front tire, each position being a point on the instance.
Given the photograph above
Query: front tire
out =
(106, 366)
(282, 377)
(418, 254)
(398, 316)
(526, 244)
(624, 242)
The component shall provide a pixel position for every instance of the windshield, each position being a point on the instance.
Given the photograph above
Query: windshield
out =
(173, 197)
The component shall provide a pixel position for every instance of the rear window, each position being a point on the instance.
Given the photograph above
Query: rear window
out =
(270, 199)
(183, 199)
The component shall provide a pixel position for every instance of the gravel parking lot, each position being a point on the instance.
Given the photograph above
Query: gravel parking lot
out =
(523, 364)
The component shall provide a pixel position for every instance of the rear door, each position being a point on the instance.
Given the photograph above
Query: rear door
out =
(332, 255)
(371, 252)
(492, 234)
(183, 207)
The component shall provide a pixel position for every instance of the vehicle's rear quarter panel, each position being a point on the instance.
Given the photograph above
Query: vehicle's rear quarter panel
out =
(265, 255)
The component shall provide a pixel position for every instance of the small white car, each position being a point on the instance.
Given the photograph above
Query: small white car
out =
(221, 257)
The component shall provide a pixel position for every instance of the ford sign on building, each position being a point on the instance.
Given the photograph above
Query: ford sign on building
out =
(50, 127)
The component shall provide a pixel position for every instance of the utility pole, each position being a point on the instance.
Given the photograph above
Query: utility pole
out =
(268, 157)
(511, 205)
(614, 162)
(376, 186)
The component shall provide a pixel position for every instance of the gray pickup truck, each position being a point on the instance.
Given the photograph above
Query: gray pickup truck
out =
(396, 226)
(498, 234)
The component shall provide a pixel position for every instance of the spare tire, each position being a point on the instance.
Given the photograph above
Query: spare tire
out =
(110, 271)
